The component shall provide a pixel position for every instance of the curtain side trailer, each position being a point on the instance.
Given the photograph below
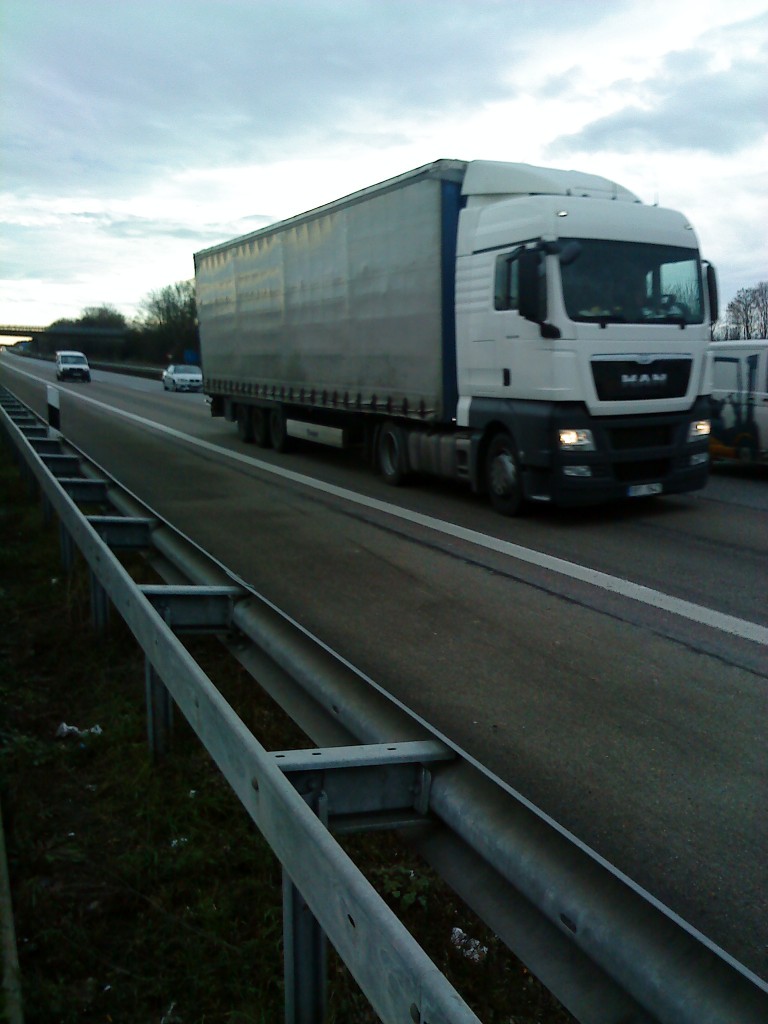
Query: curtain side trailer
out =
(539, 334)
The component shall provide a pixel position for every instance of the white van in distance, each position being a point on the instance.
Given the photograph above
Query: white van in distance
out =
(72, 366)
(739, 401)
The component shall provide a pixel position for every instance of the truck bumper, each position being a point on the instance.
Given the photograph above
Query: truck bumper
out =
(636, 456)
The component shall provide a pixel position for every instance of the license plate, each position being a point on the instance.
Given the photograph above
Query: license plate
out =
(643, 490)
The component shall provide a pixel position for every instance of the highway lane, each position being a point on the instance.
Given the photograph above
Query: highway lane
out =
(707, 547)
(641, 730)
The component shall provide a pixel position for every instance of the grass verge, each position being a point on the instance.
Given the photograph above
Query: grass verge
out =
(142, 892)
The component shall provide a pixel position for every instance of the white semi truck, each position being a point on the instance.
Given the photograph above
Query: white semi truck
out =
(540, 334)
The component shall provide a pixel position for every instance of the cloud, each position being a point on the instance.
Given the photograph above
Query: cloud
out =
(115, 94)
(139, 87)
(688, 105)
(563, 85)
(135, 134)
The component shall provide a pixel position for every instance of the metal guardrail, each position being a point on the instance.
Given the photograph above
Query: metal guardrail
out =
(606, 948)
(398, 978)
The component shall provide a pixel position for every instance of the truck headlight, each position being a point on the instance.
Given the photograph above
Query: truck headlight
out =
(698, 430)
(576, 440)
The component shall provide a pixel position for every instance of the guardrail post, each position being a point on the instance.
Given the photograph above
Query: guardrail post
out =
(99, 604)
(305, 946)
(159, 712)
(54, 415)
(305, 963)
(33, 488)
(47, 509)
(67, 548)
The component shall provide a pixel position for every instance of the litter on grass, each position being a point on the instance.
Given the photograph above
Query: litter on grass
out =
(471, 948)
(65, 730)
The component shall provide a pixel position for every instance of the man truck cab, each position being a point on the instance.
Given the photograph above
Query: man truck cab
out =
(594, 336)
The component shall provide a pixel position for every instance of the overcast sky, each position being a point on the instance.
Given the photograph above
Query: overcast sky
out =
(136, 132)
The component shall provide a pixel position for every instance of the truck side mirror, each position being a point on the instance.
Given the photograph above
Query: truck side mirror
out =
(714, 313)
(533, 292)
(533, 296)
(570, 252)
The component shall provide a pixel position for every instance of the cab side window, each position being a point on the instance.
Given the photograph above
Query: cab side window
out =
(506, 289)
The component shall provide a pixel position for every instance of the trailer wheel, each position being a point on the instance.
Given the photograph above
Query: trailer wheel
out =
(502, 475)
(278, 429)
(244, 424)
(261, 432)
(391, 454)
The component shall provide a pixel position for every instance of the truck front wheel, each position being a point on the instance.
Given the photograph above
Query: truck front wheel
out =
(502, 475)
(391, 454)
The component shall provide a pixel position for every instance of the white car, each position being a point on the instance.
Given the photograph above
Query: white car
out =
(72, 366)
(182, 377)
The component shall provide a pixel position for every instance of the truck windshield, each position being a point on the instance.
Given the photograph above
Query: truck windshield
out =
(632, 282)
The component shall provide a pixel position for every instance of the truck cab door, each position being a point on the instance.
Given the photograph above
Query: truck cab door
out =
(518, 333)
(495, 342)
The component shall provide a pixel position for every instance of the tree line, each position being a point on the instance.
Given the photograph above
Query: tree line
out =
(164, 330)
(746, 315)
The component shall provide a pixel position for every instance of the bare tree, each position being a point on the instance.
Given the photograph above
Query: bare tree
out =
(166, 323)
(740, 312)
(761, 310)
(102, 316)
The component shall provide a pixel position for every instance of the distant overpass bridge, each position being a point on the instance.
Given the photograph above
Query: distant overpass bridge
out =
(16, 331)
(43, 342)
(13, 331)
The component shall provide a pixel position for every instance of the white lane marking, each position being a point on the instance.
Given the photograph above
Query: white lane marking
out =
(614, 584)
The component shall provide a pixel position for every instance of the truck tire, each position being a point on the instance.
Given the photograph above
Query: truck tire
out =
(278, 429)
(261, 431)
(391, 456)
(502, 475)
(244, 424)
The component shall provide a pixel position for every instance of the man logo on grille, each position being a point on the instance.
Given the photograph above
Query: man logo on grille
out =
(643, 380)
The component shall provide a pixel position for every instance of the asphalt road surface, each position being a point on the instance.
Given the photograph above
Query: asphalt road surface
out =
(610, 664)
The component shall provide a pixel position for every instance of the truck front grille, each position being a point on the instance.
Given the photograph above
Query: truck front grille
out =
(621, 380)
(638, 472)
(626, 438)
